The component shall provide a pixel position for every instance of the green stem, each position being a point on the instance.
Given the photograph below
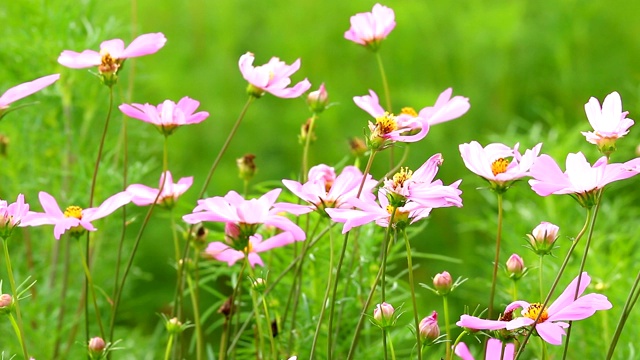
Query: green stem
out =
(274, 351)
(540, 263)
(254, 300)
(63, 297)
(416, 319)
(167, 352)
(393, 352)
(455, 343)
(626, 310)
(307, 144)
(325, 298)
(18, 326)
(385, 84)
(196, 310)
(545, 356)
(91, 288)
(555, 282)
(234, 310)
(447, 327)
(496, 260)
(514, 290)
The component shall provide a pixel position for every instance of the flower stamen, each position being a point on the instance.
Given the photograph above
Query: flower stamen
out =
(409, 111)
(386, 124)
(534, 310)
(499, 166)
(74, 212)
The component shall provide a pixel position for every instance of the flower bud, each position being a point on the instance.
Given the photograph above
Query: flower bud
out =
(543, 237)
(443, 283)
(96, 346)
(6, 304)
(259, 285)
(246, 167)
(174, 326)
(383, 315)
(318, 100)
(306, 131)
(358, 146)
(515, 267)
(429, 330)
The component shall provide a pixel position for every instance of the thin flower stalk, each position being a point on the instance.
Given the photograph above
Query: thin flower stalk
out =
(259, 337)
(341, 259)
(193, 290)
(225, 348)
(87, 273)
(307, 144)
(557, 279)
(63, 295)
(326, 296)
(413, 294)
(497, 257)
(632, 298)
(18, 326)
(447, 327)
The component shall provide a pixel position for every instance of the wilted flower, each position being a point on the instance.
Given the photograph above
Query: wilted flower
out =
(318, 99)
(23, 90)
(515, 267)
(429, 330)
(383, 315)
(168, 115)
(498, 163)
(580, 180)
(370, 28)
(609, 122)
(142, 195)
(74, 218)
(551, 321)
(494, 351)
(272, 77)
(443, 282)
(543, 237)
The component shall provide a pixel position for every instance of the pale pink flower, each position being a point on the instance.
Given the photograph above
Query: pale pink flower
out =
(581, 180)
(73, 218)
(370, 28)
(609, 122)
(326, 190)
(113, 53)
(254, 245)
(389, 128)
(25, 89)
(11, 215)
(272, 77)
(498, 163)
(168, 115)
(445, 108)
(142, 195)
(551, 323)
(494, 351)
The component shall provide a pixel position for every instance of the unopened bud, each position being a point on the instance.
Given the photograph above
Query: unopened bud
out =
(6, 304)
(543, 237)
(259, 285)
(358, 146)
(429, 330)
(383, 315)
(246, 167)
(96, 345)
(443, 283)
(306, 131)
(515, 267)
(318, 100)
(174, 326)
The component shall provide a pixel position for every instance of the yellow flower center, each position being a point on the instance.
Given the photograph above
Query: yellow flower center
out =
(409, 111)
(386, 124)
(249, 248)
(534, 311)
(400, 216)
(399, 178)
(107, 63)
(499, 166)
(74, 212)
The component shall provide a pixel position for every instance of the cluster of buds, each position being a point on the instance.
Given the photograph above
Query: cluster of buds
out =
(543, 238)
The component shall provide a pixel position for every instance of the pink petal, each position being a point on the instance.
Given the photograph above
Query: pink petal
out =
(569, 293)
(476, 323)
(26, 89)
(145, 44)
(370, 104)
(75, 60)
(463, 351)
(107, 207)
(50, 205)
(550, 332)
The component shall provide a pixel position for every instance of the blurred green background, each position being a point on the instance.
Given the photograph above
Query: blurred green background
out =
(527, 67)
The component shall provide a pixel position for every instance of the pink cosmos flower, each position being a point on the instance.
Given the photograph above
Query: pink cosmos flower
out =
(224, 252)
(494, 351)
(552, 323)
(113, 53)
(142, 195)
(25, 89)
(168, 115)
(11, 215)
(609, 122)
(326, 190)
(73, 218)
(272, 77)
(243, 219)
(370, 28)
(445, 108)
(580, 180)
(389, 127)
(498, 163)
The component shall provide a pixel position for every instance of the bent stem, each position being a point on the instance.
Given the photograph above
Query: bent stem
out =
(497, 257)
(416, 319)
(555, 282)
(18, 326)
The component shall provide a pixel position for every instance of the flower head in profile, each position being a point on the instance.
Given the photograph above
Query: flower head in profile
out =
(73, 218)
(23, 90)
(580, 180)
(272, 77)
(326, 190)
(494, 351)
(370, 28)
(446, 108)
(142, 195)
(429, 329)
(11, 215)
(168, 116)
(552, 320)
(498, 163)
(112, 55)
(609, 122)
(389, 128)
(243, 220)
